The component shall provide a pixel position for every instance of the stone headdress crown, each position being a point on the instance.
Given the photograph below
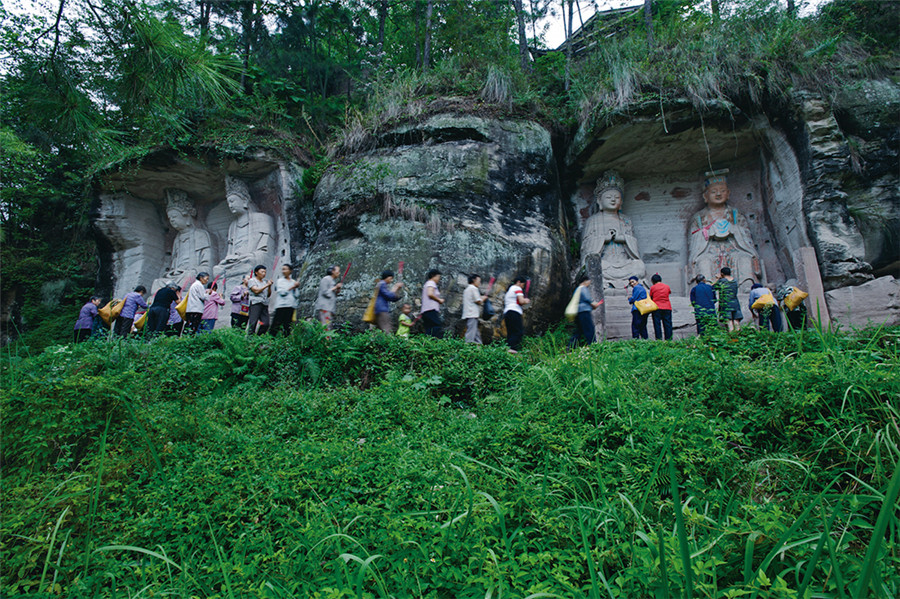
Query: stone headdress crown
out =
(718, 176)
(236, 186)
(609, 180)
(178, 200)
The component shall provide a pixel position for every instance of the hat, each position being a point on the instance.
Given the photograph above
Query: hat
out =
(632, 278)
(718, 176)
(609, 180)
(387, 273)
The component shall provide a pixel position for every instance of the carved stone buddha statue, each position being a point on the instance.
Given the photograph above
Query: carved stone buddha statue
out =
(609, 233)
(191, 248)
(251, 235)
(718, 236)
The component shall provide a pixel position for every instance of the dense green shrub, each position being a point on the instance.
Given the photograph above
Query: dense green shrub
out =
(368, 465)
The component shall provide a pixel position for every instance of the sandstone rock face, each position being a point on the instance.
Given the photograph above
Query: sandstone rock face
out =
(463, 194)
(870, 304)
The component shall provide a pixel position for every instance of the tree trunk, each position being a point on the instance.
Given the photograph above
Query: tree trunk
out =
(568, 41)
(205, 10)
(523, 40)
(426, 53)
(791, 8)
(417, 20)
(714, 4)
(382, 17)
(648, 21)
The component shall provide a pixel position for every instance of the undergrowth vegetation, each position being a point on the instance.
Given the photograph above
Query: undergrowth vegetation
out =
(753, 465)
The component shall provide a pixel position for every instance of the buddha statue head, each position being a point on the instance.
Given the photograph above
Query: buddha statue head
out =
(237, 194)
(715, 189)
(608, 192)
(179, 209)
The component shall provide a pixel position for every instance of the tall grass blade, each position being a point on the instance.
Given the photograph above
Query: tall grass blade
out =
(221, 559)
(682, 533)
(888, 506)
(50, 548)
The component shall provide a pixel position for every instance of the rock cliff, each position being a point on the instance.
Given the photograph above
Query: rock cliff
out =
(813, 184)
(460, 193)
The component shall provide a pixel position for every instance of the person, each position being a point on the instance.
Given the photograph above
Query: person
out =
(473, 299)
(796, 317)
(260, 292)
(703, 299)
(638, 320)
(130, 305)
(158, 314)
(584, 320)
(405, 322)
(211, 308)
(659, 293)
(175, 323)
(769, 315)
(240, 304)
(431, 305)
(85, 323)
(197, 294)
(513, 301)
(727, 299)
(285, 301)
(386, 294)
(329, 288)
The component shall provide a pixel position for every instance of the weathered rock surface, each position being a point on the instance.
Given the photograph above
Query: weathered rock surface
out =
(874, 303)
(463, 194)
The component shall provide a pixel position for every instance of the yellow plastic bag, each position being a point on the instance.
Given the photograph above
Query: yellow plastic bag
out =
(181, 308)
(106, 312)
(572, 308)
(140, 322)
(116, 308)
(763, 301)
(795, 298)
(369, 314)
(646, 306)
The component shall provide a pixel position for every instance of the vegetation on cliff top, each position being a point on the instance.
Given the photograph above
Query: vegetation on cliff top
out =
(97, 83)
(753, 465)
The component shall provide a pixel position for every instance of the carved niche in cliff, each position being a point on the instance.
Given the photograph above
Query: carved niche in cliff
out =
(168, 218)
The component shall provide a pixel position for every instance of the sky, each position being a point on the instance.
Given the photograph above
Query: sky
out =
(555, 34)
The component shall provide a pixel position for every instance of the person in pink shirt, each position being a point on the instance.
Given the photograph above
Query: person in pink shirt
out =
(659, 293)
(211, 309)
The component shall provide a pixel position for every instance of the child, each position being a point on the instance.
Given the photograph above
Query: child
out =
(405, 321)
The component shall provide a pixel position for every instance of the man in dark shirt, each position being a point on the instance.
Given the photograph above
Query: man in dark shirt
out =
(703, 298)
(158, 315)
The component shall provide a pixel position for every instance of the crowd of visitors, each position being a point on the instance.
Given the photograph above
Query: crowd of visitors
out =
(197, 312)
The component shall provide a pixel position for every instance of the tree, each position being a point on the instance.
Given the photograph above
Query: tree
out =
(523, 41)
(648, 21)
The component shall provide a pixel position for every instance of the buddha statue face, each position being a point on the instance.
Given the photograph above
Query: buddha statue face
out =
(716, 195)
(179, 209)
(237, 195)
(610, 200)
(179, 219)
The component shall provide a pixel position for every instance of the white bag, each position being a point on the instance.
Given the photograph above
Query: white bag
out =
(572, 308)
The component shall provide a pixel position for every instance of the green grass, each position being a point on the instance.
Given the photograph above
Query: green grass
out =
(754, 465)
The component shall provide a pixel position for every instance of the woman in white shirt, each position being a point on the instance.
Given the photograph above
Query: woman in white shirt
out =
(285, 301)
(512, 314)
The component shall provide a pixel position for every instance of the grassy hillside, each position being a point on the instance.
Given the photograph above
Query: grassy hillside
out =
(758, 465)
